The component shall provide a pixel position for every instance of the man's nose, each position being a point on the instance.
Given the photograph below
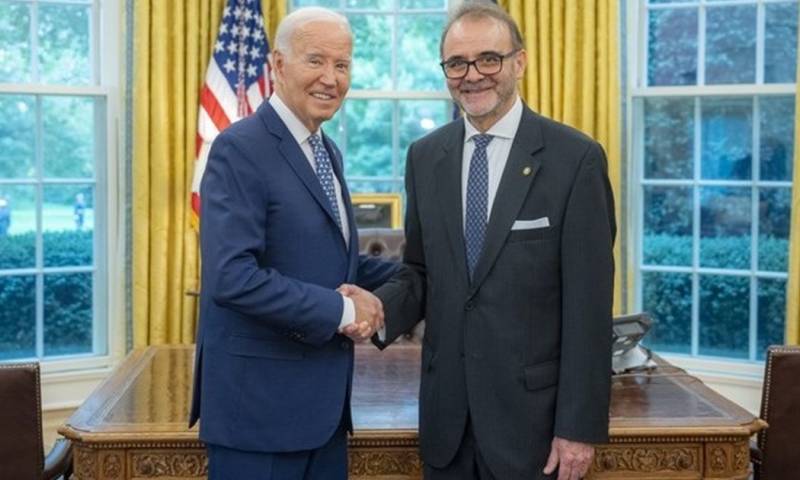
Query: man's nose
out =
(473, 75)
(328, 76)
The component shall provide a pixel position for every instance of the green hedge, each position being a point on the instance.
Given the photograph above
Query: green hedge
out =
(67, 296)
(724, 300)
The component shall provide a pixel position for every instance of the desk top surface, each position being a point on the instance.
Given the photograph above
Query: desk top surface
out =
(150, 393)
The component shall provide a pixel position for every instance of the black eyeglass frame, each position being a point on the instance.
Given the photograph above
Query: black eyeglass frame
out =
(474, 64)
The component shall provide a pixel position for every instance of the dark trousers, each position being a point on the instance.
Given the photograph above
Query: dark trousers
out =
(328, 462)
(468, 464)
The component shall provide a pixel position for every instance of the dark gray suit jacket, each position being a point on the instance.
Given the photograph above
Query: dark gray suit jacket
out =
(524, 349)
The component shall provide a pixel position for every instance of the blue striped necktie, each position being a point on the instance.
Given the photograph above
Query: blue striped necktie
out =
(477, 201)
(325, 174)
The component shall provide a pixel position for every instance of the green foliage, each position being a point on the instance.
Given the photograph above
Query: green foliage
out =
(67, 296)
(724, 299)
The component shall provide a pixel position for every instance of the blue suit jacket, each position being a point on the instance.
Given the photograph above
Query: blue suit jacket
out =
(271, 372)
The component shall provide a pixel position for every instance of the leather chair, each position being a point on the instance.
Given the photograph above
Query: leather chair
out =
(777, 456)
(21, 448)
(389, 244)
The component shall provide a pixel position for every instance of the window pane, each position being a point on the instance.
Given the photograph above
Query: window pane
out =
(724, 316)
(771, 314)
(368, 186)
(668, 137)
(15, 56)
(68, 137)
(17, 317)
(335, 130)
(725, 227)
(408, 4)
(372, 64)
(68, 225)
(374, 4)
(731, 45)
(317, 3)
(672, 47)
(64, 44)
(727, 138)
(67, 313)
(369, 138)
(667, 226)
(417, 35)
(17, 226)
(777, 137)
(417, 118)
(780, 43)
(17, 130)
(667, 297)
(774, 218)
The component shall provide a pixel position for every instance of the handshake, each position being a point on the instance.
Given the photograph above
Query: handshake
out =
(369, 313)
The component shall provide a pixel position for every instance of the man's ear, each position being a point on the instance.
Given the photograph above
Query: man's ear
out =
(278, 63)
(520, 62)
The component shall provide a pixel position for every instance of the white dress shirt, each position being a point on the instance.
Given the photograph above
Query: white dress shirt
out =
(497, 152)
(301, 134)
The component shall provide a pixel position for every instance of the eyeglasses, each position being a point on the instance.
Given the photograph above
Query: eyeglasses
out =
(486, 64)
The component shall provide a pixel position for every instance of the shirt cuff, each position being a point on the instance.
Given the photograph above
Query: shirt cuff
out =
(382, 334)
(348, 313)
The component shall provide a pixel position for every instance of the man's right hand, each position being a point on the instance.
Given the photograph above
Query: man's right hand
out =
(369, 312)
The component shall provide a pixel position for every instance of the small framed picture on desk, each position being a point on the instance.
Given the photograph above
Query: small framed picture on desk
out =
(377, 210)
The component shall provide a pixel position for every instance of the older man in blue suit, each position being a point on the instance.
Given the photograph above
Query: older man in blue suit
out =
(274, 358)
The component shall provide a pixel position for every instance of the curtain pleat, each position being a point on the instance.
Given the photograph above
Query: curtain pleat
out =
(793, 284)
(573, 77)
(172, 48)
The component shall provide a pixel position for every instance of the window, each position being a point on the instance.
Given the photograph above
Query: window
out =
(712, 105)
(397, 92)
(54, 168)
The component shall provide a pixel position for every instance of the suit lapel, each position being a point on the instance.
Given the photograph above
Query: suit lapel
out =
(448, 181)
(338, 170)
(297, 160)
(513, 189)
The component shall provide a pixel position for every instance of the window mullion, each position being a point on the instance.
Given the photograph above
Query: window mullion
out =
(39, 209)
(695, 337)
(754, 227)
(34, 36)
(760, 41)
(701, 45)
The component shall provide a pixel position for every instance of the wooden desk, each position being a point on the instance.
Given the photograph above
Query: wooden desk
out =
(664, 425)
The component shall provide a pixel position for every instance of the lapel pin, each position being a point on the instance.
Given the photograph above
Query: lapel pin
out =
(526, 171)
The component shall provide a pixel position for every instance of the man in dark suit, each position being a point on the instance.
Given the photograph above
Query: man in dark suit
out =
(509, 229)
(274, 362)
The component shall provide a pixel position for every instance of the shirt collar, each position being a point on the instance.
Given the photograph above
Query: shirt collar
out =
(506, 127)
(295, 126)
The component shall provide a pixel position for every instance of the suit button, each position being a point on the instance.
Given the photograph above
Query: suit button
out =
(345, 345)
(469, 306)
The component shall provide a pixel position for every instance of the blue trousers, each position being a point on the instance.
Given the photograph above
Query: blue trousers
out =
(328, 462)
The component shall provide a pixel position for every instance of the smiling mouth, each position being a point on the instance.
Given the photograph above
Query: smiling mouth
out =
(323, 96)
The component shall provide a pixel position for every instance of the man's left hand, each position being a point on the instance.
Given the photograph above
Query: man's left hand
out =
(573, 459)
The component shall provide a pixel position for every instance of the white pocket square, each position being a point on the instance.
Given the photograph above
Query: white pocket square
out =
(530, 224)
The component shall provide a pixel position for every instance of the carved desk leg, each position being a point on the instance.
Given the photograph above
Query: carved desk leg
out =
(727, 460)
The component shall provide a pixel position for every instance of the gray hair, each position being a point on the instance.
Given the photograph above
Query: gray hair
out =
(302, 16)
(483, 9)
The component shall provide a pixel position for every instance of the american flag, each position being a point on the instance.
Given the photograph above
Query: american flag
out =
(237, 81)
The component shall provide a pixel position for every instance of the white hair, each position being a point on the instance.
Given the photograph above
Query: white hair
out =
(302, 16)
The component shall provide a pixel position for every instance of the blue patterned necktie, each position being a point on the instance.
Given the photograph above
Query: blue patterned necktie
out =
(325, 174)
(477, 201)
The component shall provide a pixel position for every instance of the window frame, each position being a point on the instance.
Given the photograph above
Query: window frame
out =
(637, 92)
(397, 178)
(68, 379)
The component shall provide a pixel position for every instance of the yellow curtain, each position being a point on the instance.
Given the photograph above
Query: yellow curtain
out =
(171, 47)
(793, 285)
(573, 77)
